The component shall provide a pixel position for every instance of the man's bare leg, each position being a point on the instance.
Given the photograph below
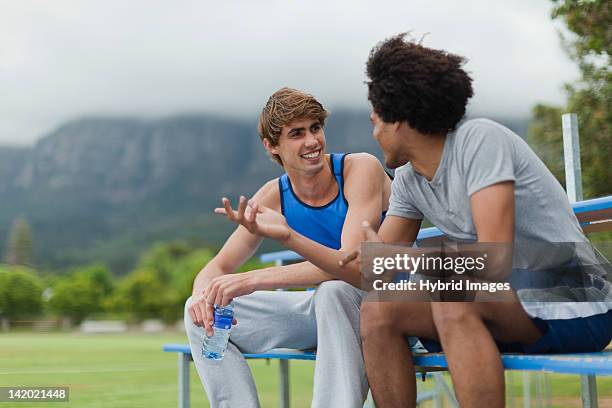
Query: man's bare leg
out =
(475, 364)
(472, 355)
(466, 331)
(387, 354)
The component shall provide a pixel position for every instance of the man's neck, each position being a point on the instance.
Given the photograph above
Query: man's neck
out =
(425, 153)
(314, 188)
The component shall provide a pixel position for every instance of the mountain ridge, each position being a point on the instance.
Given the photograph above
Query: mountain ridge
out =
(97, 179)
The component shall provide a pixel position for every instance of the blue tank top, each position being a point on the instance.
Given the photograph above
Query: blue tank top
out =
(321, 224)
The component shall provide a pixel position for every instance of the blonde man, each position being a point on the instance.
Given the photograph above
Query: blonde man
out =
(325, 197)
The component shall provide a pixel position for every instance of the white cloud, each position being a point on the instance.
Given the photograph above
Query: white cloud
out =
(62, 59)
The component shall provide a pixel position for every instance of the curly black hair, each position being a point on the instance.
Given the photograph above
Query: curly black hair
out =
(425, 87)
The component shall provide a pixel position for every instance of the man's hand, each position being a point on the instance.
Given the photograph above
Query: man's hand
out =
(220, 291)
(202, 313)
(223, 289)
(257, 219)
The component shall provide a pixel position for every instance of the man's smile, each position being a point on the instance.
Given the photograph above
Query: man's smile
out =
(314, 155)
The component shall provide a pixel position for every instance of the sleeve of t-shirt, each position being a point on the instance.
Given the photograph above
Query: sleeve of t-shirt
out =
(400, 202)
(486, 155)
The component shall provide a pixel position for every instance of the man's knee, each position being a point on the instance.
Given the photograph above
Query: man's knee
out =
(336, 292)
(376, 319)
(450, 316)
(186, 316)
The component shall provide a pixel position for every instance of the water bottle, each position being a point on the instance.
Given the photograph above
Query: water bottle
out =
(214, 346)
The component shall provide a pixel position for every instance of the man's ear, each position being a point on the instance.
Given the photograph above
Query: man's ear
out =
(403, 128)
(269, 148)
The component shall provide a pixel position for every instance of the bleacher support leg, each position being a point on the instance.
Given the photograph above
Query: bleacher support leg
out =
(284, 383)
(571, 154)
(526, 390)
(588, 390)
(284, 369)
(442, 386)
(511, 400)
(538, 389)
(547, 390)
(183, 380)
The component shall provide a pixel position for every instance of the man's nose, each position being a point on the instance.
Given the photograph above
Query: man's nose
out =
(311, 139)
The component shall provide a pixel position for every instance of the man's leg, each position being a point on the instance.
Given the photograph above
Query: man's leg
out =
(472, 355)
(340, 379)
(266, 320)
(466, 331)
(388, 359)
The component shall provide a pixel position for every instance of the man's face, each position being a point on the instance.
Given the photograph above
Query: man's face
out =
(301, 146)
(387, 136)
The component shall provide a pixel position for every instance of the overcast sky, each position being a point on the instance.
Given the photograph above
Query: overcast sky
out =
(63, 59)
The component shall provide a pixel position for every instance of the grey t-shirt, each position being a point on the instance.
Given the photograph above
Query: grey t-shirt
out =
(478, 154)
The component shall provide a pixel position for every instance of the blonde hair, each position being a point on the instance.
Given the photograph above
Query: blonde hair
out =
(283, 107)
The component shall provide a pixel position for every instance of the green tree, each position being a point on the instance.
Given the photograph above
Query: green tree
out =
(185, 272)
(20, 248)
(82, 293)
(589, 45)
(100, 275)
(162, 259)
(143, 295)
(187, 268)
(20, 293)
(162, 282)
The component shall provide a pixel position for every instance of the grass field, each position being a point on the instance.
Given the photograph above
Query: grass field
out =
(130, 370)
(127, 370)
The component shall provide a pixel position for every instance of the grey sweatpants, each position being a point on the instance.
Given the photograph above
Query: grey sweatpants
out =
(327, 318)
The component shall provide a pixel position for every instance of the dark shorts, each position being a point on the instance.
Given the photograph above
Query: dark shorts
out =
(579, 335)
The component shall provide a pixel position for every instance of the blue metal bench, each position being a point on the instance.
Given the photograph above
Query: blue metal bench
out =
(283, 355)
(594, 215)
(587, 365)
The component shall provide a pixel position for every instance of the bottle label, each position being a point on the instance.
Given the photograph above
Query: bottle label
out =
(222, 322)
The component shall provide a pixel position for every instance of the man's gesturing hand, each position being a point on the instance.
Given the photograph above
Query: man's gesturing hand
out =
(257, 219)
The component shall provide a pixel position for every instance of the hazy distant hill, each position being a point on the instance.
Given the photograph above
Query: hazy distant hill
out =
(105, 188)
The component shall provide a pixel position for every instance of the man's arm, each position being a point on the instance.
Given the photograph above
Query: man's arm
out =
(238, 248)
(364, 191)
(298, 275)
(493, 213)
(396, 230)
(493, 216)
(338, 263)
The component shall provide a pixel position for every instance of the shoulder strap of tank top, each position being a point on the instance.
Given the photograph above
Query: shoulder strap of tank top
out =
(283, 187)
(336, 164)
(337, 160)
(283, 183)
